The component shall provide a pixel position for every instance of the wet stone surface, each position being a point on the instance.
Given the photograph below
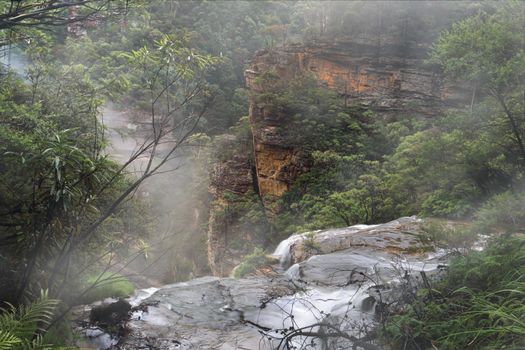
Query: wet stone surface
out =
(206, 313)
(354, 272)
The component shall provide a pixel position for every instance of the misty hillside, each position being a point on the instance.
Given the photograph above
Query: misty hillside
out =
(183, 174)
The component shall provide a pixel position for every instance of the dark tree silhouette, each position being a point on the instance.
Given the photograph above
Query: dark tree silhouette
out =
(16, 14)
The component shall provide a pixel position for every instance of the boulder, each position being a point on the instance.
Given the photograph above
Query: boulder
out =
(110, 315)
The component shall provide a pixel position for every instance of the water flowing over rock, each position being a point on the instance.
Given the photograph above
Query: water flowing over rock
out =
(391, 79)
(398, 236)
(340, 283)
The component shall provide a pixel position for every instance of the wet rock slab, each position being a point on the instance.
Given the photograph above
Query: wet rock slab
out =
(339, 276)
(396, 237)
(344, 268)
(206, 313)
(350, 267)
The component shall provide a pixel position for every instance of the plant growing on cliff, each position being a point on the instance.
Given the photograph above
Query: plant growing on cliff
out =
(251, 262)
(316, 118)
(239, 217)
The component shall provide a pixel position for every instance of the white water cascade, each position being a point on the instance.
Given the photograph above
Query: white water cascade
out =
(334, 278)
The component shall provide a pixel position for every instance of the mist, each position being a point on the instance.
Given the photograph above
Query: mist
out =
(176, 198)
(262, 174)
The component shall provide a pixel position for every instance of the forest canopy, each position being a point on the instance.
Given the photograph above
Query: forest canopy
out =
(205, 91)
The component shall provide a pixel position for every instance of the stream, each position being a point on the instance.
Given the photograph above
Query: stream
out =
(326, 280)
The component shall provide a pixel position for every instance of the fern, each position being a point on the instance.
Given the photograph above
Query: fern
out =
(19, 327)
(8, 340)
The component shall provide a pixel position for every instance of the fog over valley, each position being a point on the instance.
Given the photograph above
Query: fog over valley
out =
(187, 174)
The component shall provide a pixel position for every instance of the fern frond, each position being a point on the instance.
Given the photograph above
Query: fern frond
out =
(18, 326)
(33, 317)
(8, 340)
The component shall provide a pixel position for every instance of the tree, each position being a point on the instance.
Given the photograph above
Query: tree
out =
(56, 215)
(429, 173)
(35, 13)
(173, 76)
(488, 52)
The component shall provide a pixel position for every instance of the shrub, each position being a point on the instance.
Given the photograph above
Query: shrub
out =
(251, 262)
(309, 241)
(504, 211)
(107, 285)
(478, 306)
(447, 235)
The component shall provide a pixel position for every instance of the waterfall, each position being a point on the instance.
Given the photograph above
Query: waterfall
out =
(341, 283)
(283, 253)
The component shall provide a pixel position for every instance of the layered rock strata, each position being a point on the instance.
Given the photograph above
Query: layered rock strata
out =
(391, 79)
(231, 178)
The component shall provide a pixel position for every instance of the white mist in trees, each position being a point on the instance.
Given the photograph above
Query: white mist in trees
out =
(488, 51)
(172, 74)
(75, 189)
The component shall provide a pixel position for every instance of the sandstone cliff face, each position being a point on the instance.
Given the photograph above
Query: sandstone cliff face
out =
(392, 80)
(231, 177)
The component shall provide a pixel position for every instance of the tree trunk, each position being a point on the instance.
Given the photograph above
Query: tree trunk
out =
(514, 126)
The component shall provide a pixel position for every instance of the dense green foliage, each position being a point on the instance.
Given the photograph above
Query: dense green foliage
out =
(19, 325)
(502, 211)
(366, 170)
(54, 145)
(106, 285)
(250, 263)
(68, 211)
(479, 302)
(66, 206)
(479, 305)
(316, 118)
